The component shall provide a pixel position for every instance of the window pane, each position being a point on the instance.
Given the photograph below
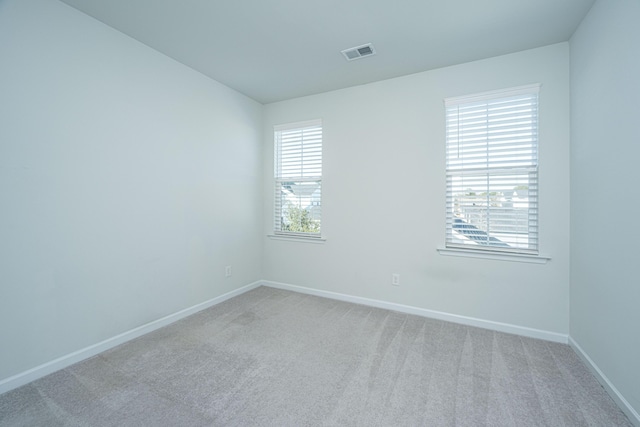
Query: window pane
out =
(300, 206)
(493, 210)
(298, 179)
(492, 170)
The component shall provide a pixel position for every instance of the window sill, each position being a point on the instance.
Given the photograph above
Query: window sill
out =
(499, 256)
(302, 239)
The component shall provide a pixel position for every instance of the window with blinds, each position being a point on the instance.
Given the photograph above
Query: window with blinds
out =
(298, 179)
(492, 171)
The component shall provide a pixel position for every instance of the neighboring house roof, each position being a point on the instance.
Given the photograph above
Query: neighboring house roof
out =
(474, 233)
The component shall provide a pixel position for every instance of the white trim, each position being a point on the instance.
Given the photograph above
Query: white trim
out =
(464, 320)
(292, 238)
(626, 407)
(492, 94)
(297, 125)
(33, 374)
(500, 256)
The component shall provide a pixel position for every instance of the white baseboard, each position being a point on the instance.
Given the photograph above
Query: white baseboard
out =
(85, 353)
(470, 321)
(631, 413)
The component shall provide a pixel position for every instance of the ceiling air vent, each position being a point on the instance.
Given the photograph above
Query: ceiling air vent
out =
(359, 52)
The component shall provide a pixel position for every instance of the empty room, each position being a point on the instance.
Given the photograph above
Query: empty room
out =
(340, 213)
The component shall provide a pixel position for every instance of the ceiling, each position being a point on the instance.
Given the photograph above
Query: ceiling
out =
(272, 50)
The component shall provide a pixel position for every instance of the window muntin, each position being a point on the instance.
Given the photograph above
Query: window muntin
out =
(298, 179)
(492, 171)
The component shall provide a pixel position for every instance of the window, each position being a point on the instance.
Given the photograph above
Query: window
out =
(492, 171)
(298, 179)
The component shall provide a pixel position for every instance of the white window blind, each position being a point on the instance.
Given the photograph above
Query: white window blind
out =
(298, 179)
(492, 171)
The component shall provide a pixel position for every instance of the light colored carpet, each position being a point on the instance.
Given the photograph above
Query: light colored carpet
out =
(277, 358)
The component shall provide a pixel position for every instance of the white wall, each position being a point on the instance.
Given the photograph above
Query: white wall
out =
(383, 196)
(127, 183)
(605, 236)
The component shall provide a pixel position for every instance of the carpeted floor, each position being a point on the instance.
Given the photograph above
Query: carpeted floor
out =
(277, 358)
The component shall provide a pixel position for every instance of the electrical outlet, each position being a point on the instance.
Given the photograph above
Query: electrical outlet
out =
(395, 279)
(227, 271)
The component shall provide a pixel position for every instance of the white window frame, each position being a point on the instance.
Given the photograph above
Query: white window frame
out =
(492, 157)
(298, 164)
